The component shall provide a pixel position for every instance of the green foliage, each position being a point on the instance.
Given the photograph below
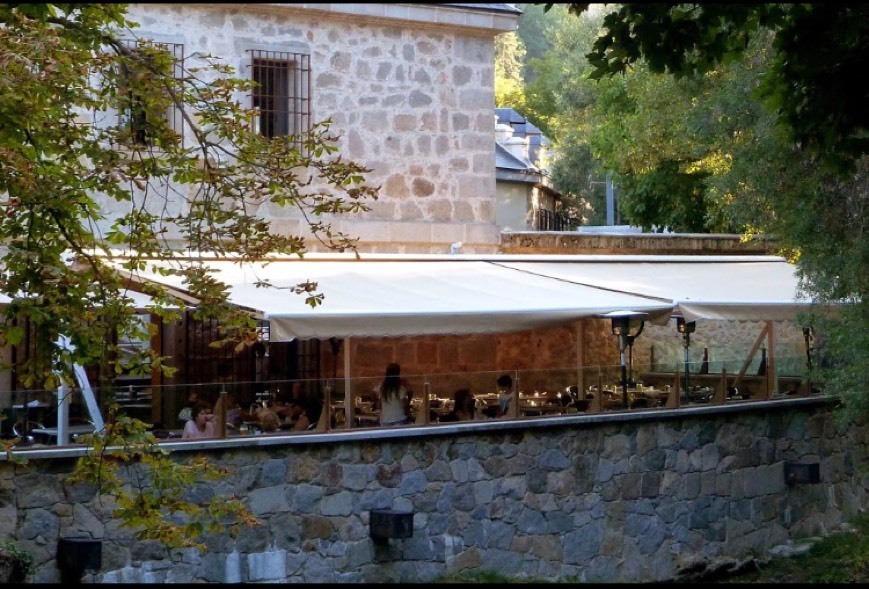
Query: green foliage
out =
(743, 118)
(82, 132)
(490, 577)
(16, 561)
(840, 558)
(703, 143)
(535, 26)
(811, 84)
(509, 51)
(151, 490)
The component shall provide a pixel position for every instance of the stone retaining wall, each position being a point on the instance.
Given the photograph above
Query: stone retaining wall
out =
(630, 497)
(689, 244)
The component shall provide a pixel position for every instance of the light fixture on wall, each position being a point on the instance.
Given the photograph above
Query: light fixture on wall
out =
(626, 325)
(686, 328)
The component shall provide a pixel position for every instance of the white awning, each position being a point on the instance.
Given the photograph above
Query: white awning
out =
(394, 294)
(412, 295)
(755, 288)
(141, 301)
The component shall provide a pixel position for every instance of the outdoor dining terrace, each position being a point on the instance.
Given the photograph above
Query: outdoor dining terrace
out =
(349, 404)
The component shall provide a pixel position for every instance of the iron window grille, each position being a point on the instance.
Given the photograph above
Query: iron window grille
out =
(546, 220)
(282, 94)
(132, 114)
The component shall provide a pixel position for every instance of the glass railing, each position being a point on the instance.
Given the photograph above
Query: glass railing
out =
(341, 404)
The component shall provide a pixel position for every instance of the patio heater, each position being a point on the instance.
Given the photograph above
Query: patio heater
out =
(631, 338)
(686, 328)
(626, 325)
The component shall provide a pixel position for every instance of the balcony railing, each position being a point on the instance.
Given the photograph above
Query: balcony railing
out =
(545, 220)
(335, 405)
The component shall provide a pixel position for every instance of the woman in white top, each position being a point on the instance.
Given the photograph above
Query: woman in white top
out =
(393, 397)
(200, 426)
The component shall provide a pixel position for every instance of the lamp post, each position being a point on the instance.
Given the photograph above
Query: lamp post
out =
(686, 328)
(626, 325)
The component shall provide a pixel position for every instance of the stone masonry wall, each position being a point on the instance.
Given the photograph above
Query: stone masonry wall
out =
(409, 96)
(694, 244)
(604, 498)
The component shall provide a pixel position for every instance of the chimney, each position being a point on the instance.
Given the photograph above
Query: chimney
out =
(503, 132)
(518, 147)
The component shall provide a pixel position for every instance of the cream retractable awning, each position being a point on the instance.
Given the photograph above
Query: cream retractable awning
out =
(410, 295)
(141, 301)
(755, 288)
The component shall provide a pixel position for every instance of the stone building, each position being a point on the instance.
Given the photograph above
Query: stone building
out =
(627, 497)
(526, 198)
(409, 88)
(410, 91)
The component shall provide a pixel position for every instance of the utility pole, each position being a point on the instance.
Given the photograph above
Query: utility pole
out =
(610, 198)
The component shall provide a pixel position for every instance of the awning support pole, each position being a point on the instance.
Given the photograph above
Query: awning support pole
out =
(348, 387)
(771, 375)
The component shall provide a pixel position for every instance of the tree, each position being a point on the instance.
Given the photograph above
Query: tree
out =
(509, 51)
(812, 84)
(816, 144)
(694, 154)
(83, 133)
(557, 99)
(534, 29)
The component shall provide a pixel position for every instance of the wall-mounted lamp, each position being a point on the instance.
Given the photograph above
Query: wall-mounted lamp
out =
(626, 325)
(686, 328)
(389, 523)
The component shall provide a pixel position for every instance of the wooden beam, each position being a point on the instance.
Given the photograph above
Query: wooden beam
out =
(580, 358)
(754, 348)
(771, 374)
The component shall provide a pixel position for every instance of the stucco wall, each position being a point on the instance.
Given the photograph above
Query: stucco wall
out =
(513, 204)
(592, 498)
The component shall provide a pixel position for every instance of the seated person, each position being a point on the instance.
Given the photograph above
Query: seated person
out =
(186, 413)
(286, 403)
(201, 426)
(505, 394)
(463, 407)
(268, 419)
(308, 414)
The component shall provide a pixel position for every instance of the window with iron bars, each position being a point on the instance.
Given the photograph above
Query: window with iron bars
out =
(282, 94)
(132, 113)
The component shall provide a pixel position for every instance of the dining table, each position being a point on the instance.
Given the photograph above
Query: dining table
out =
(640, 396)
